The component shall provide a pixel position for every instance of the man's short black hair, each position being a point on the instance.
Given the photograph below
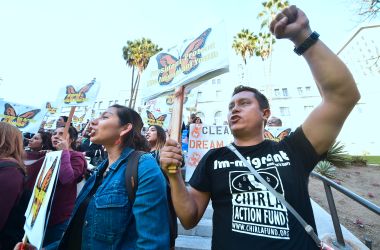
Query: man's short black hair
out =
(261, 99)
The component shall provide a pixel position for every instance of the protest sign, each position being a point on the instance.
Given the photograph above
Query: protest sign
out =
(186, 62)
(201, 139)
(25, 118)
(37, 213)
(79, 95)
(276, 133)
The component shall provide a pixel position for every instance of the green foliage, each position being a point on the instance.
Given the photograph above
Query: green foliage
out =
(136, 55)
(138, 52)
(358, 160)
(244, 44)
(373, 159)
(326, 169)
(337, 155)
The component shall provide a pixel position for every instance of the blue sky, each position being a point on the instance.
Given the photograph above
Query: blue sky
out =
(46, 44)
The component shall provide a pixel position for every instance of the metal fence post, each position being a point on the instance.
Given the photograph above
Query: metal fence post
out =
(334, 214)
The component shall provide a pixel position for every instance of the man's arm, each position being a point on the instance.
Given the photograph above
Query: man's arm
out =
(334, 81)
(191, 204)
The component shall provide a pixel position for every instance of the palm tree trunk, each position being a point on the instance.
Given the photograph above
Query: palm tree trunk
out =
(137, 83)
(132, 87)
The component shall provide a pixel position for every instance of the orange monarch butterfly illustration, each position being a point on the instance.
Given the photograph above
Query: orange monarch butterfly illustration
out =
(20, 121)
(169, 65)
(268, 135)
(194, 159)
(79, 119)
(49, 124)
(77, 96)
(51, 109)
(155, 121)
(196, 131)
(40, 190)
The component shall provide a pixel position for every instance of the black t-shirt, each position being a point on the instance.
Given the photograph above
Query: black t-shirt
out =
(246, 214)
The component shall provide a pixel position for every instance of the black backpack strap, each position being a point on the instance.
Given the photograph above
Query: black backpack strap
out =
(131, 172)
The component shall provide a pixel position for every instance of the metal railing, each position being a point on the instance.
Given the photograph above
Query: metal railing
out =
(327, 183)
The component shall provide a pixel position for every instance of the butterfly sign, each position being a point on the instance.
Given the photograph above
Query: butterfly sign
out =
(169, 66)
(196, 57)
(50, 123)
(25, 118)
(276, 133)
(37, 213)
(79, 95)
(155, 120)
(79, 118)
(50, 109)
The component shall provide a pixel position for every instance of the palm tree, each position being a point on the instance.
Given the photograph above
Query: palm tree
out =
(266, 39)
(136, 55)
(244, 43)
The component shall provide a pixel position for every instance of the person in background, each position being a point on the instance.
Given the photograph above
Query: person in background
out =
(61, 122)
(198, 120)
(26, 137)
(72, 170)
(274, 122)
(156, 137)
(12, 174)
(90, 149)
(38, 146)
(103, 217)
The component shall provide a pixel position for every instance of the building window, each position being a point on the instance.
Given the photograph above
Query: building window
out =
(276, 92)
(199, 96)
(100, 104)
(300, 91)
(218, 94)
(110, 103)
(116, 101)
(218, 118)
(93, 106)
(285, 92)
(308, 89)
(285, 111)
(126, 102)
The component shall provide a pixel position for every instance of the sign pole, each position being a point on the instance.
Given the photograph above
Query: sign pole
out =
(176, 121)
(67, 125)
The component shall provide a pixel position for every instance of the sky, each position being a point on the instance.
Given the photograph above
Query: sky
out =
(47, 44)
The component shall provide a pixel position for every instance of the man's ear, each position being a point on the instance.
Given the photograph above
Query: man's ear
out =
(126, 129)
(266, 114)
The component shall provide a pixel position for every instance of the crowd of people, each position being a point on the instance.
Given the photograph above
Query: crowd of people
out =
(102, 216)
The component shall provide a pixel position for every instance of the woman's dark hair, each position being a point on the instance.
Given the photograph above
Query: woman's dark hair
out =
(161, 136)
(73, 133)
(65, 118)
(134, 138)
(46, 140)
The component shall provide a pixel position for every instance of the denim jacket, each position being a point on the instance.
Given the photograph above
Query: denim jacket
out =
(111, 222)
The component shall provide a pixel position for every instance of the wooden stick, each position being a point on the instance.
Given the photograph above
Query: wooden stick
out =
(67, 125)
(24, 242)
(176, 121)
